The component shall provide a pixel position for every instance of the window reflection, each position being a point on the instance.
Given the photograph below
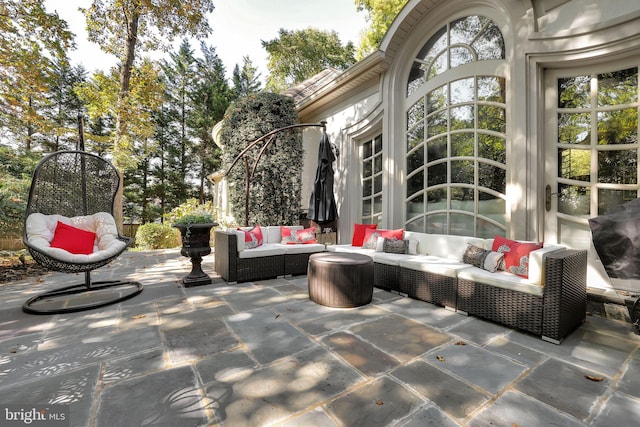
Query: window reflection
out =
(465, 121)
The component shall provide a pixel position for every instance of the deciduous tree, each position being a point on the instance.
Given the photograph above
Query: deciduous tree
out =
(380, 16)
(294, 56)
(30, 39)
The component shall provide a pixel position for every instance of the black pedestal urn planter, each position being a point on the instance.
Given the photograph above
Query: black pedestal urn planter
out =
(195, 245)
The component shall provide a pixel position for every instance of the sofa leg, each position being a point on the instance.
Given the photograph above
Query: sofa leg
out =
(464, 313)
(453, 309)
(551, 340)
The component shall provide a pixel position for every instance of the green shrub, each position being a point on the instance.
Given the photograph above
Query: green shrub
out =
(157, 236)
(191, 211)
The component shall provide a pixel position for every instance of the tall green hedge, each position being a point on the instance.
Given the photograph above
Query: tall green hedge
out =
(275, 189)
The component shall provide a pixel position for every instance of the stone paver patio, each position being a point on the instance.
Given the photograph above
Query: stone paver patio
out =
(259, 354)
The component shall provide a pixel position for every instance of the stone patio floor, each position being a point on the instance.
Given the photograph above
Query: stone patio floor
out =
(261, 353)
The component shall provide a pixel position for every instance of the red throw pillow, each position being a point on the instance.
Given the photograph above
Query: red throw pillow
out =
(371, 236)
(72, 239)
(253, 237)
(358, 233)
(292, 237)
(516, 254)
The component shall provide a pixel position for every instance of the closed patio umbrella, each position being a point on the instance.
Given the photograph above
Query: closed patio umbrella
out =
(322, 204)
(616, 238)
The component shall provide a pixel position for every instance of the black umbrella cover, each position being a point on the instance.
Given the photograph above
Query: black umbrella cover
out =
(616, 238)
(322, 204)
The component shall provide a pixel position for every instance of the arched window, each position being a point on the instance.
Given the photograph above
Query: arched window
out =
(456, 132)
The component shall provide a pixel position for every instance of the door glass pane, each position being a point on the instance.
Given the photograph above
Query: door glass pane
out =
(574, 92)
(618, 167)
(367, 169)
(618, 127)
(377, 184)
(619, 87)
(574, 200)
(574, 164)
(367, 186)
(416, 77)
(366, 207)
(366, 150)
(609, 199)
(574, 128)
(377, 163)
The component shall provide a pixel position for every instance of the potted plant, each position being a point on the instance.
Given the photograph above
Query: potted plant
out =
(195, 231)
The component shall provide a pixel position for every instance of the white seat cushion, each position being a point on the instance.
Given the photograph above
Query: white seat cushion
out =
(432, 264)
(501, 279)
(303, 248)
(267, 249)
(351, 249)
(40, 229)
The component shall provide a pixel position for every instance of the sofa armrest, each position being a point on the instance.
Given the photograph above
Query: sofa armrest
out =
(565, 293)
(537, 263)
(226, 255)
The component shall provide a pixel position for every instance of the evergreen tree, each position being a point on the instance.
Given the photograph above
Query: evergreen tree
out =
(64, 106)
(179, 75)
(246, 81)
(211, 99)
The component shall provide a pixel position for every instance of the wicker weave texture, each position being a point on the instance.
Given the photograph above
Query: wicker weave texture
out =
(428, 287)
(519, 310)
(72, 183)
(565, 293)
(268, 267)
(296, 264)
(386, 276)
(344, 284)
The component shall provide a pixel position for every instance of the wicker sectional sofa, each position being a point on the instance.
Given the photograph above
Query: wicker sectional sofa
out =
(550, 303)
(235, 263)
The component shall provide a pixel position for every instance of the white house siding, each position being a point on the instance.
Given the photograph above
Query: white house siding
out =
(541, 37)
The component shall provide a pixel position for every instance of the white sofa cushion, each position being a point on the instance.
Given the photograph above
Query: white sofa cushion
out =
(433, 264)
(303, 248)
(449, 246)
(40, 229)
(352, 249)
(501, 279)
(268, 249)
(390, 259)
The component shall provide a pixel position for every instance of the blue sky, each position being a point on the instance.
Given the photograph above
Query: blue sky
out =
(238, 27)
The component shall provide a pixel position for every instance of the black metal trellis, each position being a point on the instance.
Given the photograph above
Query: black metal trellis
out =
(269, 138)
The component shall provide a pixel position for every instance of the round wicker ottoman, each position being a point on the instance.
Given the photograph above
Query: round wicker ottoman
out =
(340, 279)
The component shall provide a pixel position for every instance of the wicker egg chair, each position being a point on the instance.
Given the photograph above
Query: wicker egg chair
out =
(74, 186)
